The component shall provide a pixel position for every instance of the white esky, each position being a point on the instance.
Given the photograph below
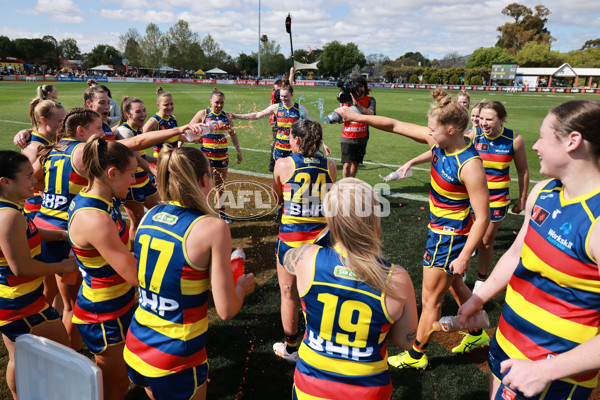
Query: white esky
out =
(391, 27)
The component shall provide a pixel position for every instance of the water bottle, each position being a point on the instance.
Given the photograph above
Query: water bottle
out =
(237, 263)
(479, 320)
(335, 118)
(397, 175)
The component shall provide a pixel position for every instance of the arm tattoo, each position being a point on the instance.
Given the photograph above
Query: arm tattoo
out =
(411, 336)
(288, 263)
(293, 257)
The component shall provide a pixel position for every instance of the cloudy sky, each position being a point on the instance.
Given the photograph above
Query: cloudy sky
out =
(392, 27)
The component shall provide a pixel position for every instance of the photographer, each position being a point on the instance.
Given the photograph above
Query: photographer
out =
(355, 134)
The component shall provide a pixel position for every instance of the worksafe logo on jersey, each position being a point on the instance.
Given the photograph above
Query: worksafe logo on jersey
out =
(243, 200)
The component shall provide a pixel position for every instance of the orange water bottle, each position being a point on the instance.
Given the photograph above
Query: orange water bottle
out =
(70, 278)
(237, 263)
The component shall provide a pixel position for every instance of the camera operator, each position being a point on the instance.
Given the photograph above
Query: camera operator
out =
(355, 134)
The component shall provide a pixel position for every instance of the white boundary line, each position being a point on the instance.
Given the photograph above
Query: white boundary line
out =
(16, 122)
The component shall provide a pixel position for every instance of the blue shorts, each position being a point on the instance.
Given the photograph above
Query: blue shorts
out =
(180, 385)
(25, 325)
(278, 153)
(140, 194)
(281, 248)
(498, 213)
(224, 163)
(100, 335)
(56, 251)
(441, 250)
(557, 390)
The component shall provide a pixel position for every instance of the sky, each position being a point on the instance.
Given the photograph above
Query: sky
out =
(434, 28)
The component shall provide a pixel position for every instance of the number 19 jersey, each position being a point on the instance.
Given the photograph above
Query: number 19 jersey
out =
(343, 354)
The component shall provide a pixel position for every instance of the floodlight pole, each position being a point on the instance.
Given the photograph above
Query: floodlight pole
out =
(259, 38)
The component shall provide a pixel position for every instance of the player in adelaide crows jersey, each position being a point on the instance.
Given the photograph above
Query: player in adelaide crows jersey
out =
(96, 99)
(100, 240)
(353, 302)
(287, 112)
(498, 147)
(300, 182)
(547, 336)
(23, 308)
(183, 256)
(214, 144)
(458, 186)
(163, 119)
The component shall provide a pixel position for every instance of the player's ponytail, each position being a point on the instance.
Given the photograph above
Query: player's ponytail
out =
(76, 117)
(39, 108)
(447, 111)
(161, 93)
(179, 171)
(100, 154)
(217, 92)
(352, 210)
(310, 134)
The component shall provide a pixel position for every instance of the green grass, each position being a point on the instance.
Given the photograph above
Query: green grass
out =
(240, 355)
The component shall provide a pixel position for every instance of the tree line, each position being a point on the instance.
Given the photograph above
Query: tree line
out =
(525, 40)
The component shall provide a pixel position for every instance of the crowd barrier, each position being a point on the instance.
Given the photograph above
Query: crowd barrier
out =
(269, 82)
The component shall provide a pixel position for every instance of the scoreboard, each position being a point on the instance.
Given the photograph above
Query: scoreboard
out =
(504, 71)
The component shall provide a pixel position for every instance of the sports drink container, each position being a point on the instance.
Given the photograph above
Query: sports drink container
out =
(237, 263)
(397, 175)
(335, 118)
(478, 320)
(210, 127)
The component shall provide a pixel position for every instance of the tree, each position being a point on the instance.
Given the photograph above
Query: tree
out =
(53, 56)
(272, 63)
(451, 60)
(526, 27)
(591, 43)
(588, 58)
(214, 55)
(182, 54)
(34, 51)
(152, 47)
(539, 55)
(338, 59)
(102, 54)
(69, 49)
(129, 43)
(307, 57)
(485, 56)
(247, 64)
(412, 59)
(7, 47)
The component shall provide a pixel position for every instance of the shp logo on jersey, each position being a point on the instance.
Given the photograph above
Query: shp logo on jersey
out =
(539, 215)
(244, 200)
(435, 159)
(481, 146)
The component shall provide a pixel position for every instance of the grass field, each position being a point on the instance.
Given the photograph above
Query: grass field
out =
(242, 364)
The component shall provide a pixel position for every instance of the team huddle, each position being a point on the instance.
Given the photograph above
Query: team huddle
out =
(70, 264)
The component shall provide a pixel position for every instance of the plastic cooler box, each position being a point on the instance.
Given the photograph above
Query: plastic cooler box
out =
(48, 370)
